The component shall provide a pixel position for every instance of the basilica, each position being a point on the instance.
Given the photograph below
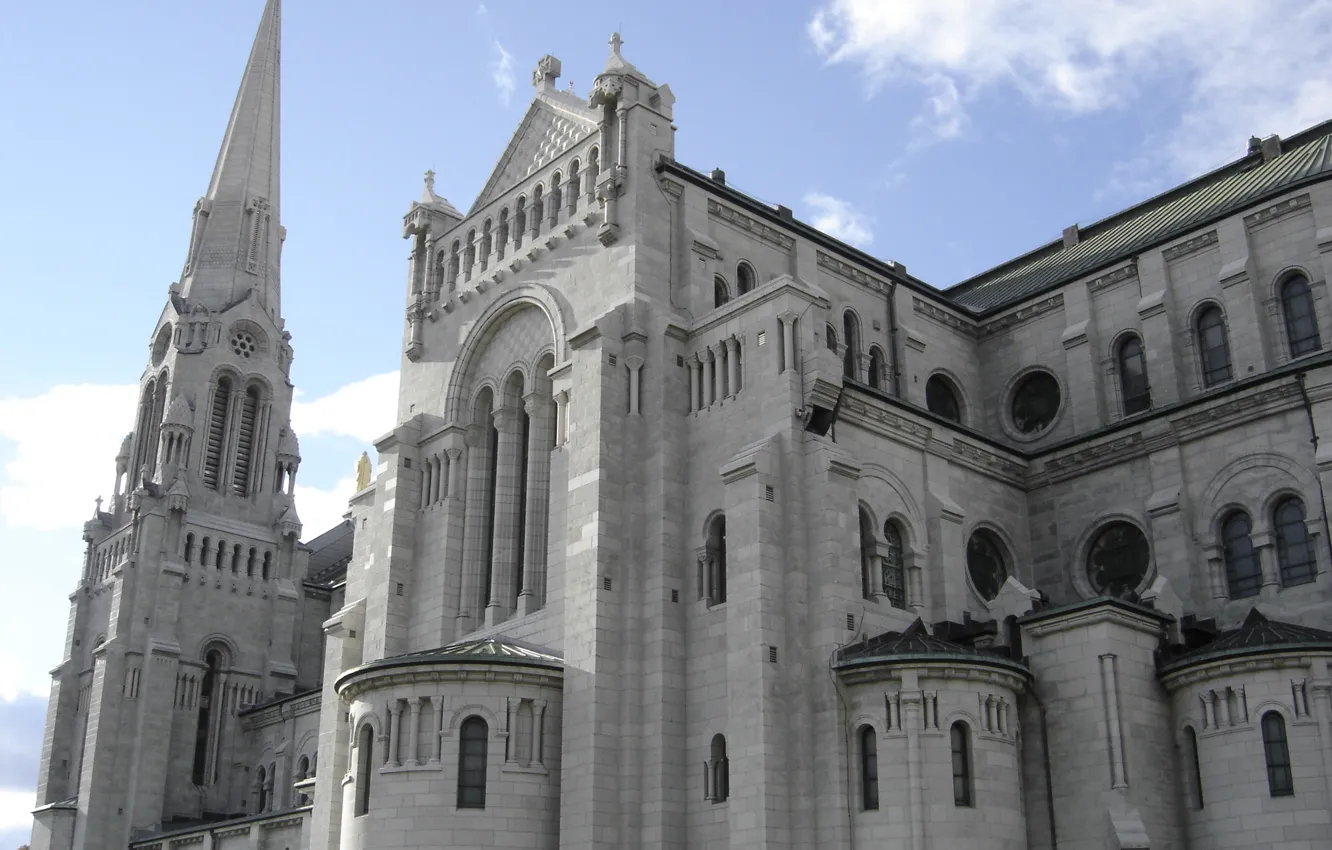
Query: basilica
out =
(700, 528)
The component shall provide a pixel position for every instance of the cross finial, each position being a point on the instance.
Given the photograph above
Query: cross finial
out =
(430, 180)
(615, 42)
(98, 500)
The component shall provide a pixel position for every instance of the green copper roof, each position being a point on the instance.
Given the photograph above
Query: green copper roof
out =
(1257, 635)
(1307, 158)
(494, 649)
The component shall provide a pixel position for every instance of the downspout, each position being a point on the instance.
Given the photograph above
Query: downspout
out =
(1313, 438)
(1049, 777)
(892, 341)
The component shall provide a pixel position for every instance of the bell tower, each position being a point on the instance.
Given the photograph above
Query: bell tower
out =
(187, 606)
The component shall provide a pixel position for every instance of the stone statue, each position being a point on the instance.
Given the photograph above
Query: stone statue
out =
(363, 472)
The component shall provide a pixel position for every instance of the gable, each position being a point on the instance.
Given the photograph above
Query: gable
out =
(554, 123)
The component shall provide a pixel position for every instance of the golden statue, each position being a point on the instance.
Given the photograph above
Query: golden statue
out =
(363, 472)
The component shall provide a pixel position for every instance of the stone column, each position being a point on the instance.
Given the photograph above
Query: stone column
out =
(1267, 561)
(475, 524)
(634, 364)
(708, 378)
(1110, 691)
(912, 721)
(561, 417)
(437, 737)
(719, 386)
(540, 436)
(694, 383)
(413, 730)
(538, 731)
(394, 732)
(788, 320)
(732, 366)
(508, 522)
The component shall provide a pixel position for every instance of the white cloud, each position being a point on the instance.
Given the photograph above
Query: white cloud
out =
(364, 410)
(1250, 68)
(16, 808)
(944, 118)
(501, 73)
(66, 443)
(839, 219)
(320, 510)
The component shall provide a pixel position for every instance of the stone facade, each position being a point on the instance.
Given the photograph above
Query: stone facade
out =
(699, 528)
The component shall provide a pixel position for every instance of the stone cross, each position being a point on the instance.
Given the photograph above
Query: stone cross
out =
(98, 500)
(615, 42)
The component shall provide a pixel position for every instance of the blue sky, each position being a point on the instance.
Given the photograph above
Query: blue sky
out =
(948, 135)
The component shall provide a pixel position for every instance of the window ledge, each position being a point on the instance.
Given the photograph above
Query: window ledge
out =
(533, 770)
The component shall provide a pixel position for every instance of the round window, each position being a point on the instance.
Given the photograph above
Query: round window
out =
(243, 343)
(985, 563)
(1118, 560)
(1035, 402)
(160, 344)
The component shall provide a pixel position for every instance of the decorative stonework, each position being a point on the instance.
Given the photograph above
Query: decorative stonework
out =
(1109, 279)
(1096, 456)
(851, 273)
(757, 228)
(1190, 246)
(872, 414)
(1224, 415)
(1277, 211)
(943, 317)
(1026, 314)
(989, 460)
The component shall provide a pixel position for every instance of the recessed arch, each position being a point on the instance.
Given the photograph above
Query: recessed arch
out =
(460, 714)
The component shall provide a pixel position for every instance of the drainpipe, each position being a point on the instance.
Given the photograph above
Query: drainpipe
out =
(1313, 438)
(892, 341)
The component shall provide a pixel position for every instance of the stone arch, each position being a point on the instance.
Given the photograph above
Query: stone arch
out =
(1219, 496)
(971, 721)
(1279, 279)
(217, 640)
(1009, 553)
(466, 711)
(895, 485)
(488, 324)
(951, 382)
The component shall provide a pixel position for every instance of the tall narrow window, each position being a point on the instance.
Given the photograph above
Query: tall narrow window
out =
(1301, 322)
(574, 183)
(715, 561)
(472, 741)
(1295, 554)
(365, 754)
(503, 234)
(519, 222)
(246, 437)
(203, 552)
(851, 332)
(262, 781)
(1244, 575)
(217, 432)
(720, 295)
(869, 588)
(556, 198)
(875, 377)
(1213, 347)
(204, 724)
(961, 745)
(455, 264)
(486, 243)
(469, 254)
(1192, 767)
(869, 769)
(1133, 377)
(538, 207)
(189, 548)
(894, 571)
(1279, 780)
(719, 770)
(744, 278)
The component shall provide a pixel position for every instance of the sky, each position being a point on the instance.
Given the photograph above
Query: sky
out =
(948, 135)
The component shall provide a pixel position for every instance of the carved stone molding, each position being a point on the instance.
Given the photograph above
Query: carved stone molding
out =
(1190, 246)
(758, 228)
(1277, 211)
(1128, 272)
(851, 273)
(943, 317)
(1026, 314)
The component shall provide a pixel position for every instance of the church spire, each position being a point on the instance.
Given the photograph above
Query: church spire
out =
(236, 241)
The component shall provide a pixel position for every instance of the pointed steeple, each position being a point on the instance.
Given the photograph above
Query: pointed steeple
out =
(236, 242)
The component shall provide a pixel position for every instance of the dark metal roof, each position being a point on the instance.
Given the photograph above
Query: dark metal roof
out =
(1257, 635)
(330, 553)
(915, 643)
(1307, 157)
(492, 650)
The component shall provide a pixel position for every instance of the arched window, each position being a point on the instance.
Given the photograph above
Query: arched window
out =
(502, 233)
(235, 559)
(894, 565)
(203, 552)
(200, 774)
(1192, 768)
(869, 588)
(189, 548)
(519, 221)
(221, 559)
(538, 209)
(303, 767)
(573, 186)
(985, 563)
(851, 331)
(1295, 554)
(246, 437)
(455, 264)
(217, 431)
(1277, 754)
(1244, 574)
(1213, 347)
(720, 295)
(744, 278)
(959, 738)
(869, 769)
(1137, 394)
(875, 377)
(268, 565)
(472, 740)
(712, 574)
(365, 754)
(941, 400)
(718, 771)
(830, 337)
(250, 561)
(556, 197)
(486, 243)
(262, 778)
(1301, 322)
(469, 254)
